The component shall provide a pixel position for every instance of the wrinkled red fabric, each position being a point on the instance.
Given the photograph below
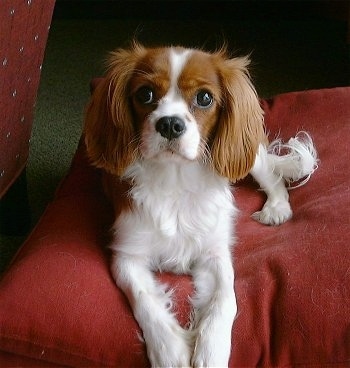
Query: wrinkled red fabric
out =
(59, 304)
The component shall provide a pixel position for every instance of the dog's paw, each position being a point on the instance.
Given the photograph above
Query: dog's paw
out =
(171, 350)
(211, 351)
(274, 213)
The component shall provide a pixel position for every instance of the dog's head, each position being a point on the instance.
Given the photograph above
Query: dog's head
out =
(175, 103)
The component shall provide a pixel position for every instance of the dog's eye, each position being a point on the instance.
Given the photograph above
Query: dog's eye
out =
(145, 95)
(204, 98)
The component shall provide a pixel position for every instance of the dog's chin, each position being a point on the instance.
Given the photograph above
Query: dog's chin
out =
(170, 155)
(166, 151)
(173, 156)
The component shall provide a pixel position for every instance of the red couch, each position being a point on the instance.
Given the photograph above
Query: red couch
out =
(60, 306)
(24, 28)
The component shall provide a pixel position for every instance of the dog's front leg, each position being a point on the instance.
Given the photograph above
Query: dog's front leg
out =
(214, 310)
(168, 344)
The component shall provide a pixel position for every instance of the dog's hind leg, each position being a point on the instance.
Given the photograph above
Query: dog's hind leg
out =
(279, 165)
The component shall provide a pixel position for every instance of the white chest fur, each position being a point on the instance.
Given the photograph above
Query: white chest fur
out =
(180, 210)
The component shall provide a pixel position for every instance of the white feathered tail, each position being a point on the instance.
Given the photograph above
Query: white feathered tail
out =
(294, 161)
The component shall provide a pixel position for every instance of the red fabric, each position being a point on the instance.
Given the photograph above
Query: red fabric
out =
(293, 281)
(24, 27)
(59, 304)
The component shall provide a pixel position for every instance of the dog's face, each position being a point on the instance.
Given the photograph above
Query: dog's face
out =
(175, 104)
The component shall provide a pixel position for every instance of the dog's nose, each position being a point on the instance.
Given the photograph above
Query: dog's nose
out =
(170, 127)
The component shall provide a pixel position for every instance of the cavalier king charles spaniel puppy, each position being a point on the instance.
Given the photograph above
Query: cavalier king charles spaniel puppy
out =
(172, 128)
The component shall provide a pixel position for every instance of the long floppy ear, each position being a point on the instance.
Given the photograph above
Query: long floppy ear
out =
(109, 130)
(240, 129)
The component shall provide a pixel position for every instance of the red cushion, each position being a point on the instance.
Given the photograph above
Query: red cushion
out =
(59, 304)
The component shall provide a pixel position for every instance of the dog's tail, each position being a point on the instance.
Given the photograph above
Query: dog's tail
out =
(294, 161)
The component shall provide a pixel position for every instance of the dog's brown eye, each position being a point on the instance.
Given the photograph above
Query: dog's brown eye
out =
(204, 98)
(145, 95)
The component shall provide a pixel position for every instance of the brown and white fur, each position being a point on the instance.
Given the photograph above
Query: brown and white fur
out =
(177, 126)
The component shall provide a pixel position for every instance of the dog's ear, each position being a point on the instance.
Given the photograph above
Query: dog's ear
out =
(109, 129)
(240, 128)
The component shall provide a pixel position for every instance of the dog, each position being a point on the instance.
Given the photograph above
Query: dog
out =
(177, 126)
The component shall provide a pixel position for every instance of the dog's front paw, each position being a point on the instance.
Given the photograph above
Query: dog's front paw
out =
(274, 213)
(211, 351)
(171, 350)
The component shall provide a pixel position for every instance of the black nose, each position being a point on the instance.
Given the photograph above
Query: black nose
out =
(170, 127)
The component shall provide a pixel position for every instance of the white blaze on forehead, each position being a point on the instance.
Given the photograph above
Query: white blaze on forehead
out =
(178, 60)
(172, 103)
